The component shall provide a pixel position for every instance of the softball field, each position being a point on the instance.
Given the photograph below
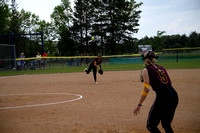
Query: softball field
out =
(72, 103)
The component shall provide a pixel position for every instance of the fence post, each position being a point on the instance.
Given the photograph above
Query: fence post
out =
(62, 62)
(176, 55)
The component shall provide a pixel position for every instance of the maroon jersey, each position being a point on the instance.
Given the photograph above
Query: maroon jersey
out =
(158, 77)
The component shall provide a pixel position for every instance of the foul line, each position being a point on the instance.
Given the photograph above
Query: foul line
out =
(45, 104)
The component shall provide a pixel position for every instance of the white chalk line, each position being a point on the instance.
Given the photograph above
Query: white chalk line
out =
(45, 104)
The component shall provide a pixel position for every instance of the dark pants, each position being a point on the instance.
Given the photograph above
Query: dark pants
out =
(92, 67)
(163, 111)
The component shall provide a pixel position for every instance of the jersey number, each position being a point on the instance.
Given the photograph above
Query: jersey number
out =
(163, 77)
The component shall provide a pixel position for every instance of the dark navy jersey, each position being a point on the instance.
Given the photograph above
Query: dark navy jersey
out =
(158, 78)
(97, 60)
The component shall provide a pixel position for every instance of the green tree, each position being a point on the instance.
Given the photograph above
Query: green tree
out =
(184, 40)
(161, 41)
(99, 26)
(49, 37)
(112, 23)
(14, 27)
(78, 24)
(66, 45)
(4, 17)
(15, 19)
(82, 22)
(194, 39)
(158, 41)
(120, 19)
(29, 22)
(61, 17)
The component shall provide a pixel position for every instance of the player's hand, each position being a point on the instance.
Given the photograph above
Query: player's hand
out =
(137, 110)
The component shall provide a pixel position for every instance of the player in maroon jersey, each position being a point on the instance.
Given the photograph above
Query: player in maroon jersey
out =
(166, 101)
(93, 66)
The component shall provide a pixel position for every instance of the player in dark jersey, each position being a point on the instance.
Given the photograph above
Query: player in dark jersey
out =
(93, 66)
(166, 100)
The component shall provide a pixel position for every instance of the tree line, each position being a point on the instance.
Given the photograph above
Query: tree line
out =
(112, 24)
(161, 41)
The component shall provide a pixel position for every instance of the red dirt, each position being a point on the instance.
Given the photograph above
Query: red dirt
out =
(105, 108)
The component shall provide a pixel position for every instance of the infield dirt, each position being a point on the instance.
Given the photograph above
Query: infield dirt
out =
(104, 108)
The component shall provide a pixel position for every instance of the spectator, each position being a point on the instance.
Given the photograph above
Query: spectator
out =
(87, 59)
(38, 60)
(82, 59)
(22, 62)
(44, 60)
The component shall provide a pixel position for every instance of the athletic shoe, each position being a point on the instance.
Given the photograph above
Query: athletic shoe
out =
(96, 83)
(85, 70)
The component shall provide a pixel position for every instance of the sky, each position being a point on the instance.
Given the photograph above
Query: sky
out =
(172, 16)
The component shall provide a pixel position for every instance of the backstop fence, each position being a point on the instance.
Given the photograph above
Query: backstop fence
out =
(12, 45)
(7, 56)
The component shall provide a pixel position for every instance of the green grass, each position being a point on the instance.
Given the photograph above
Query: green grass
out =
(170, 65)
(42, 71)
(106, 67)
(181, 65)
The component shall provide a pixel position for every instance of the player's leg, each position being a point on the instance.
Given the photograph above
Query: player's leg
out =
(167, 119)
(166, 124)
(169, 113)
(95, 74)
(89, 69)
(154, 118)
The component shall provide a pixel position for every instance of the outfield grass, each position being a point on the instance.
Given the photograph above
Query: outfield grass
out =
(122, 67)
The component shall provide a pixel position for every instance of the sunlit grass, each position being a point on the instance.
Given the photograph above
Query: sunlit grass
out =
(106, 67)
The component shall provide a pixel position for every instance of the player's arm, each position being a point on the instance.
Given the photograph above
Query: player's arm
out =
(95, 64)
(100, 66)
(145, 92)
